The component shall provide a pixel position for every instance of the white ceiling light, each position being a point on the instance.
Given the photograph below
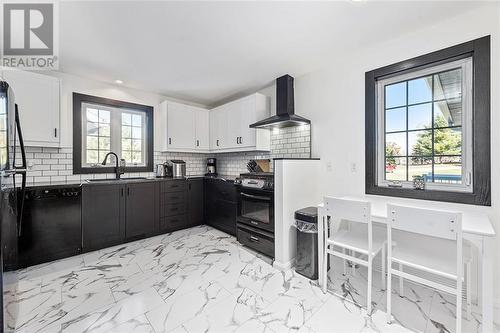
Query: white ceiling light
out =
(118, 81)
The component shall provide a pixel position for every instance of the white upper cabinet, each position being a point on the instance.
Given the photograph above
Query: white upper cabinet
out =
(38, 98)
(185, 128)
(218, 128)
(180, 127)
(235, 133)
(202, 131)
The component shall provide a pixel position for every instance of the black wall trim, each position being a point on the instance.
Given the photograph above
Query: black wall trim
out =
(479, 49)
(78, 99)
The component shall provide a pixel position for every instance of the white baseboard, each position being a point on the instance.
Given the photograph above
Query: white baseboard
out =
(283, 266)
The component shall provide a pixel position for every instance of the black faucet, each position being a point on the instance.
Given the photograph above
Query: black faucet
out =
(118, 169)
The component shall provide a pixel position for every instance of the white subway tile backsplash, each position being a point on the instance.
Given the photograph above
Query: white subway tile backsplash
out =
(54, 165)
(57, 179)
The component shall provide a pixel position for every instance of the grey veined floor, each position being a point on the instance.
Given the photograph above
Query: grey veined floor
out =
(202, 280)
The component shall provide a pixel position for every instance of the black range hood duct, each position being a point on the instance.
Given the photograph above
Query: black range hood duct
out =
(285, 109)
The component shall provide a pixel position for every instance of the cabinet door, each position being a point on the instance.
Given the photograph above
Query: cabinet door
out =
(103, 213)
(38, 99)
(140, 220)
(234, 125)
(220, 205)
(195, 202)
(218, 128)
(202, 123)
(180, 127)
(247, 115)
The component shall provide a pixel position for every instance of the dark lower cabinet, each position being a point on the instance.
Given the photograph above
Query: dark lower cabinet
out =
(103, 213)
(116, 213)
(221, 205)
(173, 205)
(140, 216)
(195, 201)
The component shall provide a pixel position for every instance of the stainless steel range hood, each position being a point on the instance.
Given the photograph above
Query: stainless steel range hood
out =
(285, 109)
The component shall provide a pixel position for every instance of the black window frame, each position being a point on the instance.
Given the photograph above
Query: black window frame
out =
(479, 51)
(78, 100)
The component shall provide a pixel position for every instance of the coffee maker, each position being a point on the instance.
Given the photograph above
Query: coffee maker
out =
(211, 167)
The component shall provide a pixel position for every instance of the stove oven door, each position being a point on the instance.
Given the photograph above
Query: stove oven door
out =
(256, 209)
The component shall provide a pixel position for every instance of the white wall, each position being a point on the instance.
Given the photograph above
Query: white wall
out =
(296, 186)
(333, 98)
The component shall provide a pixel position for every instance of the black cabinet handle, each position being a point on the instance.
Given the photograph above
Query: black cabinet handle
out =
(241, 140)
(55, 132)
(197, 143)
(217, 142)
(169, 141)
(122, 191)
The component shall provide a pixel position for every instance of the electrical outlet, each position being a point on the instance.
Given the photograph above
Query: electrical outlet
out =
(353, 167)
(329, 167)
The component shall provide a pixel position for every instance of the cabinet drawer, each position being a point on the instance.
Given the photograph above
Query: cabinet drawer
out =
(173, 197)
(256, 241)
(172, 223)
(173, 185)
(173, 209)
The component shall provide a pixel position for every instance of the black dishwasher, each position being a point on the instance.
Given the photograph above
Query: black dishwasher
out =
(51, 227)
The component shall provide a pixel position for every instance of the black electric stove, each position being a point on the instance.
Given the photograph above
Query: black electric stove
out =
(255, 215)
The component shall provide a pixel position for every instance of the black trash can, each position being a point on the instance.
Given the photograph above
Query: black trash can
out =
(306, 260)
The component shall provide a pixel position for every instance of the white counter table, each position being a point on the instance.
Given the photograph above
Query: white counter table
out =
(476, 226)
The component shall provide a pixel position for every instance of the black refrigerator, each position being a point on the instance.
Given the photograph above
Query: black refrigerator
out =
(12, 189)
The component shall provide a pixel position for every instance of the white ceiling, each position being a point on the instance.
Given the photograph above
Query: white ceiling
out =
(207, 52)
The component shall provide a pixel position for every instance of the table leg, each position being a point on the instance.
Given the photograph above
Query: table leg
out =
(487, 262)
(320, 245)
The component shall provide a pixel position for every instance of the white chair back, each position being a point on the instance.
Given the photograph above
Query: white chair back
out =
(344, 209)
(435, 223)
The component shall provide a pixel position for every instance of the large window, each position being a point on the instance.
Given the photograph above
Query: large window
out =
(111, 126)
(428, 125)
(425, 126)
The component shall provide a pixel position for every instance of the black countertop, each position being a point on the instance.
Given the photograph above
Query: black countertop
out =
(296, 158)
(73, 183)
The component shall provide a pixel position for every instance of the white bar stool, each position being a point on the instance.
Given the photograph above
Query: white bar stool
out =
(442, 257)
(354, 242)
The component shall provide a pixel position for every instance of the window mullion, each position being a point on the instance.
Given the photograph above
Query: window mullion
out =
(407, 145)
(115, 129)
(432, 129)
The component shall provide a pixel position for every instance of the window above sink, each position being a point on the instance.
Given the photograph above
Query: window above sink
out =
(102, 125)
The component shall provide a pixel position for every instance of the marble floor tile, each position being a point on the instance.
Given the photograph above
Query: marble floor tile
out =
(229, 314)
(136, 325)
(202, 280)
(191, 304)
(108, 317)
